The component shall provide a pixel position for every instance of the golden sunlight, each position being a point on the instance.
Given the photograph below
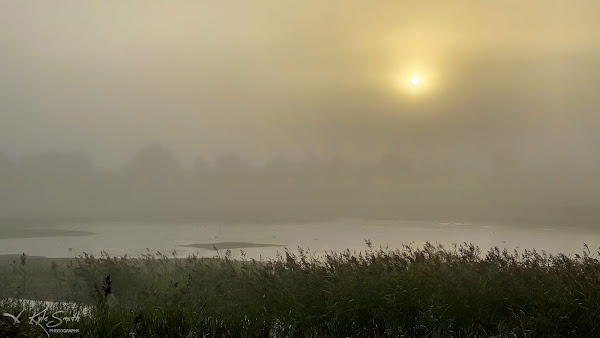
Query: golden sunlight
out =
(415, 81)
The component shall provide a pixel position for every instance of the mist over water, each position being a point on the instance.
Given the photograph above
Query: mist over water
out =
(271, 112)
(269, 168)
(153, 186)
(267, 241)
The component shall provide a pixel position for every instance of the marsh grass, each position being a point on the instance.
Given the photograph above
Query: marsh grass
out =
(428, 291)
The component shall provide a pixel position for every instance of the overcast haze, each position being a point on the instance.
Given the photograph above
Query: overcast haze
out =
(295, 110)
(300, 79)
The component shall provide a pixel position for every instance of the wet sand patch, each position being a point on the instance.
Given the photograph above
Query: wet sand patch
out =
(10, 233)
(230, 245)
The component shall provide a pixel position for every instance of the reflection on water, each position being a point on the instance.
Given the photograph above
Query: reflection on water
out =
(258, 240)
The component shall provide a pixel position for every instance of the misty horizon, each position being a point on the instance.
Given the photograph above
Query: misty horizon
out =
(154, 186)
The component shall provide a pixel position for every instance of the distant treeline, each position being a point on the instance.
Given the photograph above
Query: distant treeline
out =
(154, 186)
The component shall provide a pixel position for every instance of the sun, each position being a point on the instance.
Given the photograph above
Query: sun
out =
(414, 81)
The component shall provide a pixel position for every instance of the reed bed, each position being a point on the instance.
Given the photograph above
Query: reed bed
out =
(427, 291)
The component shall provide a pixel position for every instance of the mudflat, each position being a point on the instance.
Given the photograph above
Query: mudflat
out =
(7, 233)
(230, 245)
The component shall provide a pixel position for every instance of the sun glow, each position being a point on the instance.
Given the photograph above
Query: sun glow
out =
(415, 81)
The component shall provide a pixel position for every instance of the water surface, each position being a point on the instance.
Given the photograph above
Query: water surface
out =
(266, 240)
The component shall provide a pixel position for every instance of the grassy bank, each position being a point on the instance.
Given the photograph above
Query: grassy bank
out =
(414, 292)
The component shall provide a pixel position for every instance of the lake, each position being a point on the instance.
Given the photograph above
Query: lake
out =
(266, 240)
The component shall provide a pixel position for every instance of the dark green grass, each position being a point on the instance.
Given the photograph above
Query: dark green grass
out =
(429, 291)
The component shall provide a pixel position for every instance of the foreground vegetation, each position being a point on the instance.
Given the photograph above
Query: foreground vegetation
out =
(429, 291)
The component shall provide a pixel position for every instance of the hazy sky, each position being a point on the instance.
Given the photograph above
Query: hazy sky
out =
(301, 78)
